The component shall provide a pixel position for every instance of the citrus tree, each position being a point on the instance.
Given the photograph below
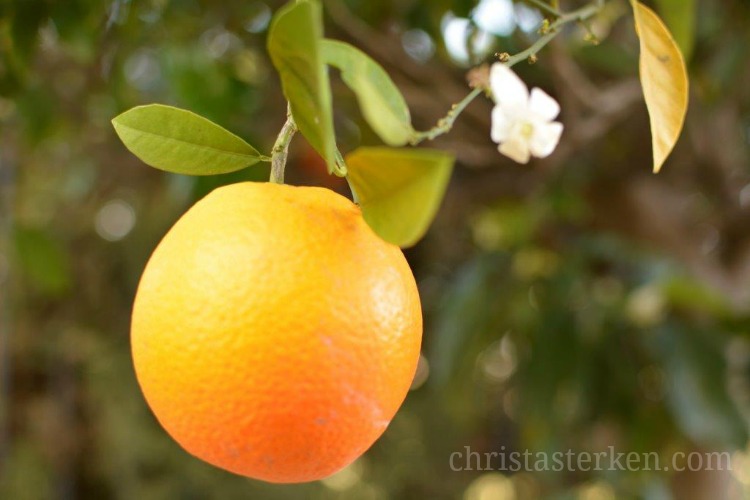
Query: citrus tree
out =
(204, 333)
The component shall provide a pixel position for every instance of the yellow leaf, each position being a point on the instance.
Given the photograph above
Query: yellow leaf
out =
(399, 189)
(664, 81)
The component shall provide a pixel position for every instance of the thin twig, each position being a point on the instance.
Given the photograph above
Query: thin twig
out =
(549, 9)
(446, 123)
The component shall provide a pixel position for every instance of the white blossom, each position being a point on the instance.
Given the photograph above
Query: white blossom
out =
(522, 123)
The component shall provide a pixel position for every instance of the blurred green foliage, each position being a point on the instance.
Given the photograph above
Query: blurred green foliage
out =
(577, 303)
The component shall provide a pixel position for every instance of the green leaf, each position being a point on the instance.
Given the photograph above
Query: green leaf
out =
(294, 45)
(180, 141)
(464, 314)
(692, 295)
(399, 190)
(664, 81)
(695, 361)
(381, 102)
(679, 15)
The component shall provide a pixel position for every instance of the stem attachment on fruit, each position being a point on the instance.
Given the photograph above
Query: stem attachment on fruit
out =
(281, 148)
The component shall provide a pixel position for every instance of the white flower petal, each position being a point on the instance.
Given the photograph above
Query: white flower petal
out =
(516, 148)
(508, 90)
(545, 138)
(501, 124)
(541, 104)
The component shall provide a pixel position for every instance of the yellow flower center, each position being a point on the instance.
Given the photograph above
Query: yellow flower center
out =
(527, 130)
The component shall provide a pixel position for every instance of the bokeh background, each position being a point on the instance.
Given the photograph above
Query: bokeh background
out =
(579, 302)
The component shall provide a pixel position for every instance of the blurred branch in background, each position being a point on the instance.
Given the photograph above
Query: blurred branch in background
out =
(7, 184)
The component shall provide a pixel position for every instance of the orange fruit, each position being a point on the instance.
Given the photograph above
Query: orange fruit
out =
(274, 334)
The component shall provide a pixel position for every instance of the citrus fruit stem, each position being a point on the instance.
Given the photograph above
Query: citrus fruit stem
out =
(281, 148)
